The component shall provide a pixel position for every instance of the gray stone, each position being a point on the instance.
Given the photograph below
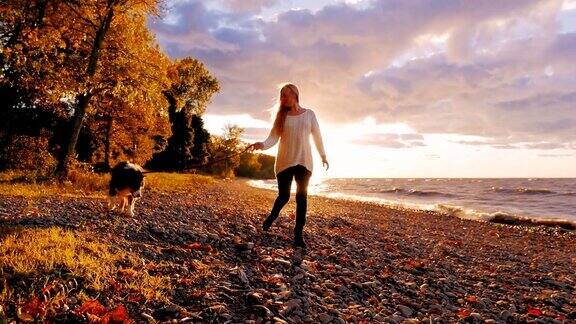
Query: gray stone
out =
(325, 318)
(405, 310)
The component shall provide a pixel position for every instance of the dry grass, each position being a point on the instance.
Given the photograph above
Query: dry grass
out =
(175, 182)
(78, 185)
(82, 184)
(45, 252)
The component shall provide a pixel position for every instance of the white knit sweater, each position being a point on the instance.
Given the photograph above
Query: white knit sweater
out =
(294, 147)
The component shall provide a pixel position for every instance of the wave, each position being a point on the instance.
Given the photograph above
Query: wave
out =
(501, 217)
(465, 213)
(510, 219)
(527, 191)
(414, 192)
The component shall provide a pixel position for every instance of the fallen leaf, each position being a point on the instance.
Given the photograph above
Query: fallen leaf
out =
(32, 309)
(463, 312)
(92, 307)
(118, 315)
(534, 311)
(127, 273)
(415, 264)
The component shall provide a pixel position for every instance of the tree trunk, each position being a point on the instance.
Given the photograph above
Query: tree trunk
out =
(107, 142)
(84, 99)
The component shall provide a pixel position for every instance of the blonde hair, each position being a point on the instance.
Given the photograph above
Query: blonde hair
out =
(278, 111)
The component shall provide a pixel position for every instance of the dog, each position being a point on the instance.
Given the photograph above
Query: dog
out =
(126, 184)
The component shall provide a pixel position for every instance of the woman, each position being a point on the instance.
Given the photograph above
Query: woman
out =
(292, 126)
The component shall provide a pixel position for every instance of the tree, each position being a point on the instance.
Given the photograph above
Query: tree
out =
(131, 105)
(191, 89)
(227, 145)
(256, 166)
(99, 15)
(87, 61)
(192, 86)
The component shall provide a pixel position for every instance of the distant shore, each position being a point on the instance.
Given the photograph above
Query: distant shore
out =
(366, 262)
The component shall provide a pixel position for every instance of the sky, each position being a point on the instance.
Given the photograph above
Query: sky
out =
(401, 88)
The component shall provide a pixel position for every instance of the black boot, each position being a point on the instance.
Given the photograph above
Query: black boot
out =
(299, 242)
(266, 225)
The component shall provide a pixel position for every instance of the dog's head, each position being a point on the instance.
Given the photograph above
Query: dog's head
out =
(136, 182)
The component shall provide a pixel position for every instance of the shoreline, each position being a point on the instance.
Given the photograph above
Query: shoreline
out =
(496, 217)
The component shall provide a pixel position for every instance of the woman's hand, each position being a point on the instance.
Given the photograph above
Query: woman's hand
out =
(255, 146)
(325, 163)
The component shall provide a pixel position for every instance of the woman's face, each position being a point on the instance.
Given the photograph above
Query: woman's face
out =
(287, 97)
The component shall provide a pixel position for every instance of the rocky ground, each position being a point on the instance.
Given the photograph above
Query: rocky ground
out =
(366, 263)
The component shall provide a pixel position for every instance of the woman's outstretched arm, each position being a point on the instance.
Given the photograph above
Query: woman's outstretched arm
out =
(317, 136)
(271, 140)
(268, 143)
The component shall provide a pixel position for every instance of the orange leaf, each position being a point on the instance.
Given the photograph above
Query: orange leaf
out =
(92, 307)
(471, 299)
(415, 264)
(127, 273)
(199, 247)
(151, 266)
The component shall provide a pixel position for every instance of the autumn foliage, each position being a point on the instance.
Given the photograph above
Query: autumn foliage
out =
(86, 80)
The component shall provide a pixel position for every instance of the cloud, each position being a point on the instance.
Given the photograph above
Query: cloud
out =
(391, 140)
(555, 155)
(256, 133)
(247, 5)
(497, 69)
(526, 145)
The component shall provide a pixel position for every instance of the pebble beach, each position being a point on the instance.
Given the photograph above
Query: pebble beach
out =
(366, 262)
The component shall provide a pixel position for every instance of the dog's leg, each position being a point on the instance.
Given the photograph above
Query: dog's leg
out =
(132, 203)
(112, 203)
(124, 203)
(130, 208)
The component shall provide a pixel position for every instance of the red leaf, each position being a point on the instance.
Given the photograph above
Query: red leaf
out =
(135, 298)
(47, 289)
(32, 309)
(92, 307)
(118, 315)
(115, 285)
(534, 311)
(463, 312)
(186, 281)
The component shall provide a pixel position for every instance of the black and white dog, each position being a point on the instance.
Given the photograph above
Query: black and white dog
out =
(126, 184)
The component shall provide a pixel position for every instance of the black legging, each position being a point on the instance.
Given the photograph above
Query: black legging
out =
(284, 177)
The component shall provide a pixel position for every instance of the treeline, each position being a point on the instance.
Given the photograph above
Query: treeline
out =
(83, 84)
